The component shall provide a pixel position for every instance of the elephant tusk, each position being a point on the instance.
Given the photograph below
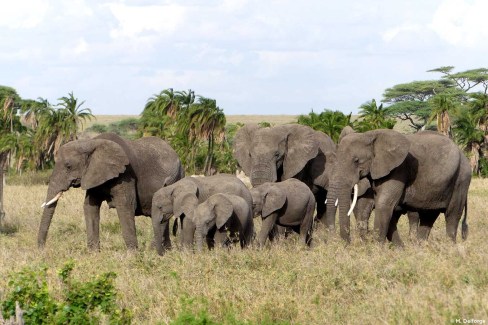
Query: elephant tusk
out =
(54, 199)
(354, 200)
(336, 202)
(325, 201)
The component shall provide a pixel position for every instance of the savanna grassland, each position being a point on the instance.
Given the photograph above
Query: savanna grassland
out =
(363, 283)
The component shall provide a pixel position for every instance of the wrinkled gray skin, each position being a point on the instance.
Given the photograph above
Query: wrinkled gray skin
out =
(123, 173)
(289, 203)
(365, 202)
(181, 198)
(222, 213)
(275, 154)
(423, 173)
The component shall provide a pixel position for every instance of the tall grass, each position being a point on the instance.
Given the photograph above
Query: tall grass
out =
(362, 283)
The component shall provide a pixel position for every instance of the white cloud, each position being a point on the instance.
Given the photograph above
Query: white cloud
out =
(461, 22)
(23, 13)
(392, 33)
(134, 20)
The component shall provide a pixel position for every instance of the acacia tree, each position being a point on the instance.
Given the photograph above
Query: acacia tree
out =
(409, 101)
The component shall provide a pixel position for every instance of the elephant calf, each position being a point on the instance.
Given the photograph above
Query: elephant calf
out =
(290, 203)
(221, 213)
(181, 198)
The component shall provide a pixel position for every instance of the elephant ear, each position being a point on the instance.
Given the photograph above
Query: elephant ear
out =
(223, 209)
(242, 146)
(345, 131)
(106, 160)
(274, 200)
(184, 204)
(390, 149)
(302, 146)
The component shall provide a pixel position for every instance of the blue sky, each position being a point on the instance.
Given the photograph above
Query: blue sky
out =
(254, 57)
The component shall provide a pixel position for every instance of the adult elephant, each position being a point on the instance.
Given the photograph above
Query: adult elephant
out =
(365, 201)
(423, 173)
(274, 154)
(123, 173)
(181, 199)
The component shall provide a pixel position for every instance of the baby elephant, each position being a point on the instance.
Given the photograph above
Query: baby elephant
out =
(221, 213)
(289, 203)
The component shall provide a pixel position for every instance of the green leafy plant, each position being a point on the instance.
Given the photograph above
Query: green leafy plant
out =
(82, 302)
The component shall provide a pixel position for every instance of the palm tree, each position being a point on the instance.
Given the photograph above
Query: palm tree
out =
(74, 116)
(329, 122)
(468, 135)
(372, 117)
(206, 121)
(10, 127)
(441, 105)
(160, 113)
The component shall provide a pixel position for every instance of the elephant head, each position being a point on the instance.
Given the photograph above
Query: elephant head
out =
(176, 199)
(214, 212)
(267, 199)
(274, 153)
(85, 163)
(361, 158)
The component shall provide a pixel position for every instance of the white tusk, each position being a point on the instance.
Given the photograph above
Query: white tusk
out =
(336, 202)
(325, 201)
(354, 200)
(54, 199)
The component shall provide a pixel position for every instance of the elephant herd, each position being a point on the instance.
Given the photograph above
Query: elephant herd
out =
(295, 172)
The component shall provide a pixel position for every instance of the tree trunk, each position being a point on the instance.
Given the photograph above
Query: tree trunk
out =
(3, 160)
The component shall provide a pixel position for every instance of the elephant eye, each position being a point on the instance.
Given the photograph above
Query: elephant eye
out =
(68, 166)
(356, 160)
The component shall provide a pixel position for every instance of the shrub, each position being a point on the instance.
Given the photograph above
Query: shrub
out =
(83, 302)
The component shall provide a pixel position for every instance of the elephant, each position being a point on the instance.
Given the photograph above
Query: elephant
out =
(365, 201)
(423, 173)
(289, 203)
(274, 154)
(181, 198)
(109, 168)
(221, 213)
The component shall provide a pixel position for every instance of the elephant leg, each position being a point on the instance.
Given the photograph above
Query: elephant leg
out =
(210, 238)
(426, 222)
(306, 226)
(187, 232)
(266, 228)
(453, 214)
(392, 234)
(220, 238)
(413, 221)
(320, 198)
(388, 194)
(91, 210)
(362, 212)
(166, 235)
(128, 225)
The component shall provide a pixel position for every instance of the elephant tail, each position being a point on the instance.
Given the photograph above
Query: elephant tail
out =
(464, 226)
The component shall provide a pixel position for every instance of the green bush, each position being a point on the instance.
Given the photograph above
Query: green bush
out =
(83, 302)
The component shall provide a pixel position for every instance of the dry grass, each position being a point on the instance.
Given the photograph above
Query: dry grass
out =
(231, 119)
(364, 283)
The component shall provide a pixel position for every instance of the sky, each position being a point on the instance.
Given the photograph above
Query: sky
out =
(252, 56)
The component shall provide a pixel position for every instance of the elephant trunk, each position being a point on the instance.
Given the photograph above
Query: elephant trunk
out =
(262, 173)
(53, 194)
(199, 237)
(339, 196)
(331, 208)
(158, 227)
(344, 218)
